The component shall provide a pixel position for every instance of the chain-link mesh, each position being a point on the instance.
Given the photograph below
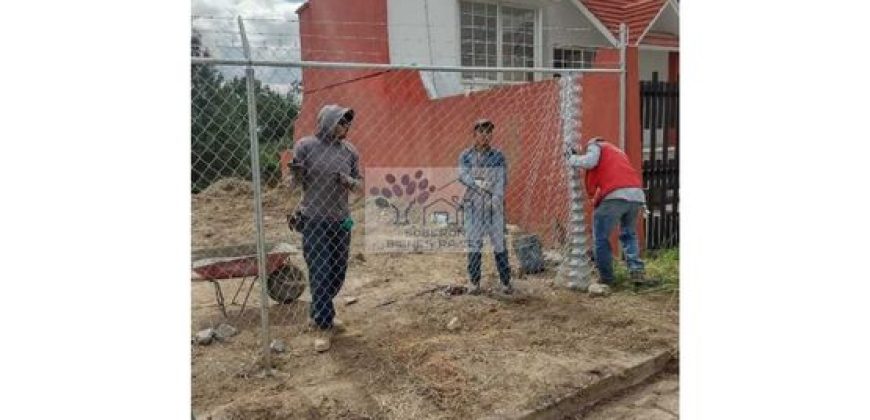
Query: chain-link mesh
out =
(412, 176)
(226, 290)
(362, 171)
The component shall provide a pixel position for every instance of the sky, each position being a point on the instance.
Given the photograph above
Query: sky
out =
(272, 28)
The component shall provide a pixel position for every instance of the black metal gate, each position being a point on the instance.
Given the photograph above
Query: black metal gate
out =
(660, 110)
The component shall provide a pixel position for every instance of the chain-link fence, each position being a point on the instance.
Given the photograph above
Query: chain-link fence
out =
(295, 190)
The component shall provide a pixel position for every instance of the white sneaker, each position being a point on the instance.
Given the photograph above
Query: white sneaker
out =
(323, 341)
(598, 289)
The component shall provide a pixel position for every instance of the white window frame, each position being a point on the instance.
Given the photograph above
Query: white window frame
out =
(594, 51)
(537, 45)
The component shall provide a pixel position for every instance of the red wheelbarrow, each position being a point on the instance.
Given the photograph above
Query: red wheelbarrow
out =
(284, 282)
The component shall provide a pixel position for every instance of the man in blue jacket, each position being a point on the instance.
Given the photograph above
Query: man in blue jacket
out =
(483, 171)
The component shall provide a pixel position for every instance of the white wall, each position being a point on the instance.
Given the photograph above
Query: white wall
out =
(651, 61)
(566, 26)
(668, 21)
(411, 42)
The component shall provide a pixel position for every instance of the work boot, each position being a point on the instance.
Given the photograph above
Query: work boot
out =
(506, 289)
(474, 289)
(639, 280)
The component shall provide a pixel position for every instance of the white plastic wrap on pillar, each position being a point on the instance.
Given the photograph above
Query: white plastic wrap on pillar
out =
(576, 269)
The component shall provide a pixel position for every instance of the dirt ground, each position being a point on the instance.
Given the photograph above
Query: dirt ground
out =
(657, 399)
(398, 359)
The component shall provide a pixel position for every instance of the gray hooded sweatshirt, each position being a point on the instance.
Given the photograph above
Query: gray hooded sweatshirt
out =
(317, 159)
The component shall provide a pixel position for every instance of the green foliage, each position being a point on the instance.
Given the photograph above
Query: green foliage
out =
(661, 265)
(220, 145)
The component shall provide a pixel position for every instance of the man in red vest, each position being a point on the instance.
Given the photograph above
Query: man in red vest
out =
(616, 191)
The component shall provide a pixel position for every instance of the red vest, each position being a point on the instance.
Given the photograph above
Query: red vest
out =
(613, 172)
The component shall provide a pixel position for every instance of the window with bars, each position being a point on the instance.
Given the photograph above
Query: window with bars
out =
(573, 58)
(495, 35)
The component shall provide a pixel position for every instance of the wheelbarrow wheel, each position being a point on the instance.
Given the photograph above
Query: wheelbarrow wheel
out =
(285, 284)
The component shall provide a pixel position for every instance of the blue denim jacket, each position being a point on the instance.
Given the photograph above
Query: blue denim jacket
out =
(489, 166)
(483, 205)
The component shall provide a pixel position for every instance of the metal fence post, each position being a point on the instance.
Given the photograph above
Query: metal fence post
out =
(623, 75)
(258, 201)
(576, 269)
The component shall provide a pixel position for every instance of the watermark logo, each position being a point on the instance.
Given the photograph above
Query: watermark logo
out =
(426, 209)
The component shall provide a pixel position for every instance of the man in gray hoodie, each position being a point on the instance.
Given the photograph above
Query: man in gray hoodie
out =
(327, 167)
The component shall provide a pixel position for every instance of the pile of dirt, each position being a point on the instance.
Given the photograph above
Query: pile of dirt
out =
(222, 214)
(228, 187)
(281, 196)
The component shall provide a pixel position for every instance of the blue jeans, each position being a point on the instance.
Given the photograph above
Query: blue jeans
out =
(326, 247)
(481, 223)
(501, 262)
(605, 218)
